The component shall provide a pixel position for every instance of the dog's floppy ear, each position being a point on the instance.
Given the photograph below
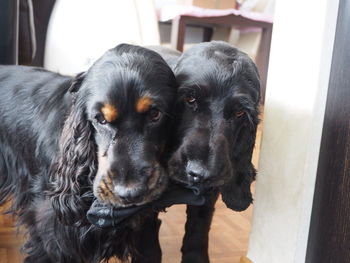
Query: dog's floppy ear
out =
(236, 193)
(75, 164)
(76, 83)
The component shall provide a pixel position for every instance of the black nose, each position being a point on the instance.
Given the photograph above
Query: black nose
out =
(128, 194)
(196, 172)
(194, 176)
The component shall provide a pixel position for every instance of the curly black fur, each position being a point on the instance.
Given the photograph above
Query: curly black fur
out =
(52, 140)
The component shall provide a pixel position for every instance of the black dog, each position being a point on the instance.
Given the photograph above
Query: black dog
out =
(64, 141)
(217, 117)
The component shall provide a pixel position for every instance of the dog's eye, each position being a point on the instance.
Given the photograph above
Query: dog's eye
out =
(155, 114)
(239, 114)
(100, 119)
(190, 99)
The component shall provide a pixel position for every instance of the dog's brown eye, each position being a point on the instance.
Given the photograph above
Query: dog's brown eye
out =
(239, 114)
(190, 99)
(100, 119)
(155, 115)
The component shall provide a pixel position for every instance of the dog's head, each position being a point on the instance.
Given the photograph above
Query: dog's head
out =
(217, 116)
(114, 136)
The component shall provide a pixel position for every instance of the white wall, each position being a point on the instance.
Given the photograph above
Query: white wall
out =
(301, 52)
(80, 31)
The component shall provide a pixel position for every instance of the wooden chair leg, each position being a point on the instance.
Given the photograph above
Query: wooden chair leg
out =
(178, 33)
(207, 34)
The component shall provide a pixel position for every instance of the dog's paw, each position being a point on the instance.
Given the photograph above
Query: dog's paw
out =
(195, 258)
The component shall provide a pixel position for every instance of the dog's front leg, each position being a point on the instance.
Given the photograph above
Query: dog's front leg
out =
(195, 242)
(148, 246)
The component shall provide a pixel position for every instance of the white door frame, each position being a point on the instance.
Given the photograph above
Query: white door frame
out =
(300, 62)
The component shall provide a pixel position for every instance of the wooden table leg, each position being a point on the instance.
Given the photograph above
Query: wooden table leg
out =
(207, 34)
(178, 33)
(262, 59)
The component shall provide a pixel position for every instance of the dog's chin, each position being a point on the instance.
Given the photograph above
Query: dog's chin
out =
(157, 184)
(152, 195)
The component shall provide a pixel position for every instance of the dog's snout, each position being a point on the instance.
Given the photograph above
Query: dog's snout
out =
(146, 171)
(128, 194)
(196, 172)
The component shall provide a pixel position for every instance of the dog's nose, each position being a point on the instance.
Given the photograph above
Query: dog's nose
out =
(195, 176)
(128, 194)
(196, 172)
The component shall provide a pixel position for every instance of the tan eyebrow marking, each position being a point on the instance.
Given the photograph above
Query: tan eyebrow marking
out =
(110, 112)
(143, 104)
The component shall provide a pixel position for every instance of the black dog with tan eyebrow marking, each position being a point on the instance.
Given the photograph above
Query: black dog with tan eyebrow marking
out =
(217, 117)
(65, 140)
